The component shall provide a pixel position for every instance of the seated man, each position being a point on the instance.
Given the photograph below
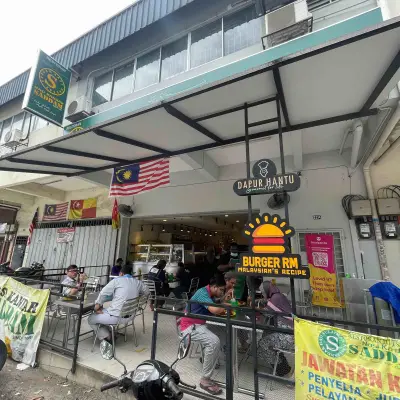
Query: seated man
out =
(119, 290)
(157, 274)
(200, 333)
(116, 269)
(73, 281)
(183, 276)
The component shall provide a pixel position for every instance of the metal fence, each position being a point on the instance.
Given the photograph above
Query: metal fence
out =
(239, 372)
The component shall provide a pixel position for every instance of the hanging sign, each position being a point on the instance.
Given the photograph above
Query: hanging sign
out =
(321, 261)
(270, 255)
(266, 181)
(65, 235)
(337, 364)
(47, 90)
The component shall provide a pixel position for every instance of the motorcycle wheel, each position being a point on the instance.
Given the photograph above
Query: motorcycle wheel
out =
(3, 354)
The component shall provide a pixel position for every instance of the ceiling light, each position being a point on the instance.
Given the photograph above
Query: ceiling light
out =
(216, 232)
(226, 215)
(237, 221)
(164, 220)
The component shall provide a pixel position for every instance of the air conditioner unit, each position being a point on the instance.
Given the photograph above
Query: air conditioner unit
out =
(286, 23)
(79, 109)
(12, 138)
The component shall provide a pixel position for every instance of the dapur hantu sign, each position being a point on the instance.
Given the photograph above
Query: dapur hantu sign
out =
(266, 181)
(270, 254)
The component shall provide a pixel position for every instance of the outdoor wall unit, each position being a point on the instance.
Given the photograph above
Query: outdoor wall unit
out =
(286, 23)
(79, 109)
(388, 206)
(360, 208)
(12, 139)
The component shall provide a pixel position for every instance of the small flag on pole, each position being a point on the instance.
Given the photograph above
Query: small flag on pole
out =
(138, 178)
(55, 212)
(32, 226)
(83, 209)
(115, 215)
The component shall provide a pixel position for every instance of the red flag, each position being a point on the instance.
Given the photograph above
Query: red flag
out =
(32, 226)
(115, 215)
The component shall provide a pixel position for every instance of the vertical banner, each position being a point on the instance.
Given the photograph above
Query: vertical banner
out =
(22, 312)
(337, 364)
(321, 261)
(47, 90)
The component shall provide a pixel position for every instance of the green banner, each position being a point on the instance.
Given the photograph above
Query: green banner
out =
(47, 90)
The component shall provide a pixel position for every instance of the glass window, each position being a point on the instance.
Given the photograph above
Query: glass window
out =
(27, 124)
(206, 44)
(241, 30)
(123, 81)
(18, 121)
(39, 123)
(174, 58)
(102, 89)
(147, 70)
(6, 126)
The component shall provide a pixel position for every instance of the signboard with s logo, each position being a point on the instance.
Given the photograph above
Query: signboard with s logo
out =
(47, 89)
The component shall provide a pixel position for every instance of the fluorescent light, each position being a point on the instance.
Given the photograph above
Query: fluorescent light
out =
(226, 215)
(164, 220)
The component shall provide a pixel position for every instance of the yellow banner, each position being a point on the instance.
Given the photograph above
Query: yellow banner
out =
(22, 312)
(337, 364)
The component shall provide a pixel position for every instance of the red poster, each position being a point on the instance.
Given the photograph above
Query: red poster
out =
(321, 261)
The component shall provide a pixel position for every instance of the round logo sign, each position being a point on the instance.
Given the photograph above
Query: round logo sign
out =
(264, 168)
(332, 343)
(52, 81)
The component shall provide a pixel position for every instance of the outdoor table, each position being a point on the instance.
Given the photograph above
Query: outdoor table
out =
(74, 305)
(242, 315)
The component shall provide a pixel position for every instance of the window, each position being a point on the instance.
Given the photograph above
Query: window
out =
(241, 30)
(206, 44)
(18, 121)
(102, 89)
(123, 81)
(38, 123)
(6, 126)
(174, 58)
(147, 70)
(27, 124)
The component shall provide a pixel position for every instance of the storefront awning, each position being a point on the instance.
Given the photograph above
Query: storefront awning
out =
(324, 77)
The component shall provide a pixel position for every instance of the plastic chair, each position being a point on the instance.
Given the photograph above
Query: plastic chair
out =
(128, 314)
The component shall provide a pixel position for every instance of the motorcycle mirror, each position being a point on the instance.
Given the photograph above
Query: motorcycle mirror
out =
(184, 346)
(106, 350)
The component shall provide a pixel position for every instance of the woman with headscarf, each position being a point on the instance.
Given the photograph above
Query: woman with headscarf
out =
(278, 303)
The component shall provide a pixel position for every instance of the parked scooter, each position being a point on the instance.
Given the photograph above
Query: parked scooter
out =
(3, 354)
(35, 271)
(152, 379)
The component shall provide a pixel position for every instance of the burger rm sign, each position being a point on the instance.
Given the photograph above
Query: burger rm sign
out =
(270, 254)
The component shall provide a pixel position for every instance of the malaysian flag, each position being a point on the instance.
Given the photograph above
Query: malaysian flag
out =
(32, 226)
(139, 178)
(55, 212)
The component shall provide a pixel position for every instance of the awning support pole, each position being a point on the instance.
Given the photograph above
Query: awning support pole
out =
(252, 278)
(282, 156)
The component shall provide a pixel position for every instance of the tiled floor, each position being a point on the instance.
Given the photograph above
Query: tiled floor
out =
(167, 345)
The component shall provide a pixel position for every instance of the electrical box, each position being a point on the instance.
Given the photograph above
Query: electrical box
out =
(390, 226)
(361, 208)
(388, 206)
(364, 227)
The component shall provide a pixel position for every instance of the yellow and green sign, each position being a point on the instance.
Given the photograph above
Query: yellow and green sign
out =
(337, 364)
(47, 90)
(22, 312)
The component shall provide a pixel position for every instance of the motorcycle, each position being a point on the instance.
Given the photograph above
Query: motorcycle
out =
(36, 270)
(152, 379)
(3, 354)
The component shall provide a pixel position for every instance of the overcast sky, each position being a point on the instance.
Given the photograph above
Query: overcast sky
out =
(29, 25)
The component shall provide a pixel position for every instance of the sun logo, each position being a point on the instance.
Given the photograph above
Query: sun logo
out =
(269, 234)
(127, 175)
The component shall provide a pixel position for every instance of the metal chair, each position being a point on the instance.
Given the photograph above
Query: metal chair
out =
(151, 285)
(128, 314)
(278, 353)
(143, 300)
(92, 284)
(194, 284)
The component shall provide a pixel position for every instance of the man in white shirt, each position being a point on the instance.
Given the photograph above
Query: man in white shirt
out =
(119, 290)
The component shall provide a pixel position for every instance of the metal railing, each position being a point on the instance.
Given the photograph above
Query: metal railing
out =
(233, 381)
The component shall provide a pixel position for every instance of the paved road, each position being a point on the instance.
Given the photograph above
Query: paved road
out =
(38, 384)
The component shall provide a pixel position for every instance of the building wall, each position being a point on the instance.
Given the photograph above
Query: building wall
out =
(384, 173)
(324, 182)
